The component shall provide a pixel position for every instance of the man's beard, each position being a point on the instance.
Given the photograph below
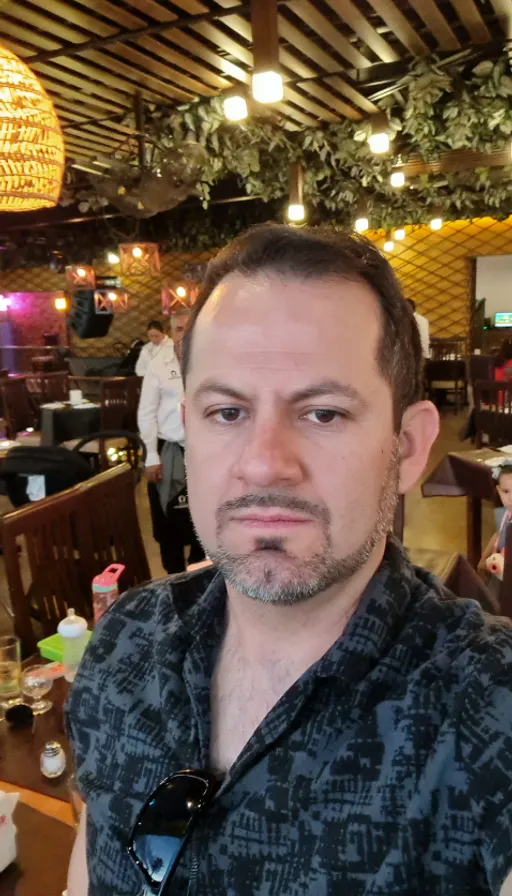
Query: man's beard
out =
(284, 578)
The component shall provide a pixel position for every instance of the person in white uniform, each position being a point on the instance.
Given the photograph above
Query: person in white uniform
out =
(158, 341)
(161, 429)
(423, 328)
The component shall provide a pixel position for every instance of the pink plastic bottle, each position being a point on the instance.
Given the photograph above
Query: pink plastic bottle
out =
(105, 589)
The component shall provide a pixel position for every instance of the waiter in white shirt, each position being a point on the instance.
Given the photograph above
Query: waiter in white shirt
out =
(158, 342)
(161, 429)
(423, 327)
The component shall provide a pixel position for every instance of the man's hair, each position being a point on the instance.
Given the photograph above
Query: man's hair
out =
(318, 255)
(155, 325)
(412, 304)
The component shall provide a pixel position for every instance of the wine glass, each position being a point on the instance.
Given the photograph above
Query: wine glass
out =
(35, 683)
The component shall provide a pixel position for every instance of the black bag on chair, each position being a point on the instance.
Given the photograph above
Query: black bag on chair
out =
(60, 467)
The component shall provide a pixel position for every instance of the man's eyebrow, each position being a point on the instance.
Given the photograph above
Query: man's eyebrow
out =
(316, 390)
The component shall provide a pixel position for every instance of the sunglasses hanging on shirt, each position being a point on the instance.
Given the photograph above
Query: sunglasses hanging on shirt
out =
(166, 822)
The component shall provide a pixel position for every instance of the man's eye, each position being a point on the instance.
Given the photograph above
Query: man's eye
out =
(228, 415)
(323, 415)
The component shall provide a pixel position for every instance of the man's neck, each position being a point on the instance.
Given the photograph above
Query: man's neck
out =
(301, 633)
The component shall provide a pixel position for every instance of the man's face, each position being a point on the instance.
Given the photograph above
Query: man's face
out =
(292, 458)
(505, 490)
(156, 336)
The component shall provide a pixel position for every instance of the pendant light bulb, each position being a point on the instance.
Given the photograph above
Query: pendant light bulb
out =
(235, 107)
(436, 223)
(397, 179)
(399, 233)
(361, 225)
(267, 87)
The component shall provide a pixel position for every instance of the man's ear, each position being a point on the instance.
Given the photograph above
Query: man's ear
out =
(420, 429)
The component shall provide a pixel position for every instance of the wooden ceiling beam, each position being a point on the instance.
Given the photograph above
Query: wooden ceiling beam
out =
(503, 10)
(350, 14)
(472, 20)
(305, 10)
(400, 26)
(436, 23)
(354, 96)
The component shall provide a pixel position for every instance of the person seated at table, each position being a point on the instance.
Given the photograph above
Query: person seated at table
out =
(503, 368)
(503, 477)
(328, 718)
(161, 429)
(158, 341)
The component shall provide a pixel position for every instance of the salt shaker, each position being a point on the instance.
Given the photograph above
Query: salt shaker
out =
(53, 760)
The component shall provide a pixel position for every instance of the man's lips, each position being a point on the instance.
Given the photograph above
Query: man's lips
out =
(271, 518)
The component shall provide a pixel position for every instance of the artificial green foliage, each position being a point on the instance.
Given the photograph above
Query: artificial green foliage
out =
(437, 109)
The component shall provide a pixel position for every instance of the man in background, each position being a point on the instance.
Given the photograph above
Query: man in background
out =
(423, 328)
(158, 341)
(178, 325)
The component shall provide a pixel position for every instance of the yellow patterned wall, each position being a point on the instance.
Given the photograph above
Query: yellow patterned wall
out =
(433, 267)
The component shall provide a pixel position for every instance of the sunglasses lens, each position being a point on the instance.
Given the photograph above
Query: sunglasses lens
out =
(161, 830)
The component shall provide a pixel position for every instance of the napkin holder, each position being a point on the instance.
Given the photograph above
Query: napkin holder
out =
(8, 852)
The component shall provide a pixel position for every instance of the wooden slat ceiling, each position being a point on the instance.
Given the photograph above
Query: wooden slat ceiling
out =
(329, 51)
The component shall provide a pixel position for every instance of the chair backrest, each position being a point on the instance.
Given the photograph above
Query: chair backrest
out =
(493, 413)
(45, 387)
(447, 349)
(108, 512)
(58, 580)
(481, 367)
(119, 402)
(70, 538)
(115, 446)
(445, 370)
(18, 411)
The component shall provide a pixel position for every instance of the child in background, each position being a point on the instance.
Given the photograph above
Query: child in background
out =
(503, 476)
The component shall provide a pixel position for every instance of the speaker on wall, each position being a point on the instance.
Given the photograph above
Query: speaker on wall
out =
(83, 318)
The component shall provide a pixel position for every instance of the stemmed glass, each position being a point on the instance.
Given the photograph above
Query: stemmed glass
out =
(35, 683)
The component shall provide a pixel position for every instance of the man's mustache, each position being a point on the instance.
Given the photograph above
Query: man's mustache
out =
(278, 501)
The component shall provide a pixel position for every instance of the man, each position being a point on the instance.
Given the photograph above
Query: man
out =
(161, 429)
(423, 328)
(158, 342)
(178, 326)
(356, 717)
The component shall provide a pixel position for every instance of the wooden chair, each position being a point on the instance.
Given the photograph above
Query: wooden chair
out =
(448, 376)
(19, 411)
(108, 521)
(57, 577)
(47, 387)
(70, 538)
(110, 448)
(447, 349)
(493, 413)
(119, 402)
(481, 367)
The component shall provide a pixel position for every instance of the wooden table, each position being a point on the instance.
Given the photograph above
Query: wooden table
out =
(20, 749)
(465, 473)
(44, 849)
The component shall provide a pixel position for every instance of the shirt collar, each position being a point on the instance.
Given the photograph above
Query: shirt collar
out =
(370, 633)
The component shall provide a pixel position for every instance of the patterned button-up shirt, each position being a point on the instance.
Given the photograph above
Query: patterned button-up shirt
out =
(385, 770)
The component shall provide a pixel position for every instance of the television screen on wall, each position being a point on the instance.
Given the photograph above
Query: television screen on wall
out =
(503, 319)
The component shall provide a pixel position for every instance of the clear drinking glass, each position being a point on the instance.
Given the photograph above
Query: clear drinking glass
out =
(10, 671)
(35, 684)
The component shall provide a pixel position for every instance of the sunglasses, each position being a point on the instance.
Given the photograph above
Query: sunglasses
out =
(166, 822)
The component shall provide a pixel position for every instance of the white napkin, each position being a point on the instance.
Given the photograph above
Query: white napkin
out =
(8, 802)
(53, 405)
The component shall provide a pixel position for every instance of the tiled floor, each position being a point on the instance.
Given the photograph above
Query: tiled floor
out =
(432, 523)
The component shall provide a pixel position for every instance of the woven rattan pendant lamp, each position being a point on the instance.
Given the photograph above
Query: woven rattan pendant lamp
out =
(31, 143)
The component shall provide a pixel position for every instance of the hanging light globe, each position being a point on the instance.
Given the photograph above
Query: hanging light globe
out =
(31, 142)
